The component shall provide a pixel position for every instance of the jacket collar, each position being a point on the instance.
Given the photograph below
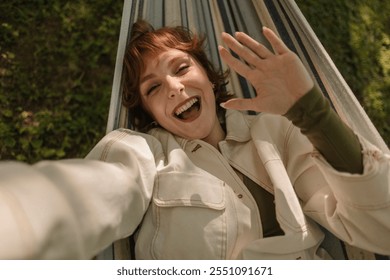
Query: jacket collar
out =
(238, 126)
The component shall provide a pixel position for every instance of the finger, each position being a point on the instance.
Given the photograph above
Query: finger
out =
(275, 41)
(240, 104)
(241, 50)
(253, 45)
(234, 63)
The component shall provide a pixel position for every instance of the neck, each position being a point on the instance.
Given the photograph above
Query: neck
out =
(216, 135)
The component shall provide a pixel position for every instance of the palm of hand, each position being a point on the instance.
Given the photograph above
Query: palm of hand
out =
(279, 79)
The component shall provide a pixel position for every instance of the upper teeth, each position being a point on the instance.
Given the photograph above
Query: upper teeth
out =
(186, 106)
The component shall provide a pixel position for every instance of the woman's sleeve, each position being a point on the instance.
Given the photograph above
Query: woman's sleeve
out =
(327, 132)
(72, 209)
(345, 186)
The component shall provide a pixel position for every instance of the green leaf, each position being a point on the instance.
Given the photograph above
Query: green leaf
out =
(7, 113)
(9, 142)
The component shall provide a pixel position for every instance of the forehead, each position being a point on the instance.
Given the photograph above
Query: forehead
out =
(162, 57)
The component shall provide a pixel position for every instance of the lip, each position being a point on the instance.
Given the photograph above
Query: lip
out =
(184, 102)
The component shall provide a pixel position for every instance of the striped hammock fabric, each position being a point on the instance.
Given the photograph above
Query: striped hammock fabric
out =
(211, 17)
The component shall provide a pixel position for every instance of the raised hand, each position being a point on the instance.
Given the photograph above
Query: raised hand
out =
(279, 78)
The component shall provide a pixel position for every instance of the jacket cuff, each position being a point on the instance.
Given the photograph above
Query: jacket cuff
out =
(369, 190)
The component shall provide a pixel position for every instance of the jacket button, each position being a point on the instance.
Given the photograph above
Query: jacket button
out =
(240, 196)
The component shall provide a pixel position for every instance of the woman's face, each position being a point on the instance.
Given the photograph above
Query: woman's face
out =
(177, 93)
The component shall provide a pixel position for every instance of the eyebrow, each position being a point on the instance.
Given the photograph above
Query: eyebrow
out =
(147, 77)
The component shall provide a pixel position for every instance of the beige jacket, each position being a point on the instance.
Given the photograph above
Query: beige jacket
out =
(74, 208)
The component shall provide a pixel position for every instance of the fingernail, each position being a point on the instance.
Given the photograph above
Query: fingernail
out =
(222, 105)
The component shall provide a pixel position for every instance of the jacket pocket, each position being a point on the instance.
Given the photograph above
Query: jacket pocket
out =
(190, 219)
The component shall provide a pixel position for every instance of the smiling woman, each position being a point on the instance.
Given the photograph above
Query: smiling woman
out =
(167, 72)
(179, 96)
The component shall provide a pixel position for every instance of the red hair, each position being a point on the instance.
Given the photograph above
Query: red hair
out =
(146, 40)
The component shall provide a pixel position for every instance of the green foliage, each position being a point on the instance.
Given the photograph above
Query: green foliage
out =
(356, 35)
(56, 68)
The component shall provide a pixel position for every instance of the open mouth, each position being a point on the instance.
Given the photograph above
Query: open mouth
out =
(188, 111)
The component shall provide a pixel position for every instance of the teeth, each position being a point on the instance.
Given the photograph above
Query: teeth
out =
(186, 106)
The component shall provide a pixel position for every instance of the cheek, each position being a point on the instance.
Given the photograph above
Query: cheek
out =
(146, 106)
(210, 97)
(155, 108)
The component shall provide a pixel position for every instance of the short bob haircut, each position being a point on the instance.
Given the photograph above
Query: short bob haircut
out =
(146, 40)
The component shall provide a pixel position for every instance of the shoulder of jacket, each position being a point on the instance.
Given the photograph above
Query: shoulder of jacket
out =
(126, 140)
(271, 121)
(273, 128)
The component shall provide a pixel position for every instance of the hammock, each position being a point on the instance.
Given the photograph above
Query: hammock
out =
(211, 17)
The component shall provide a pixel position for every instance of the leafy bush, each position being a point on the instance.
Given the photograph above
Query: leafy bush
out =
(56, 68)
(356, 35)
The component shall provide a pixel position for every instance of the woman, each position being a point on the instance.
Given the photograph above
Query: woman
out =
(201, 183)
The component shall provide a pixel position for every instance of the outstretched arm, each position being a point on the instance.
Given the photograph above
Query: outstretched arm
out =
(72, 209)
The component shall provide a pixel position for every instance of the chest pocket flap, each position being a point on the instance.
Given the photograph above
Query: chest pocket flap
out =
(175, 189)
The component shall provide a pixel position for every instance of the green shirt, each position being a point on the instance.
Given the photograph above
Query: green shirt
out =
(327, 132)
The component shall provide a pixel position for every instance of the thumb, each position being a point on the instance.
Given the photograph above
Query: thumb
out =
(240, 104)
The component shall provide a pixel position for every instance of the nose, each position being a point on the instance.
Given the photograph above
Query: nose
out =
(174, 86)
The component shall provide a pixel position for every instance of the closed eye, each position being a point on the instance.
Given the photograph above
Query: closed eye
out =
(152, 88)
(182, 69)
